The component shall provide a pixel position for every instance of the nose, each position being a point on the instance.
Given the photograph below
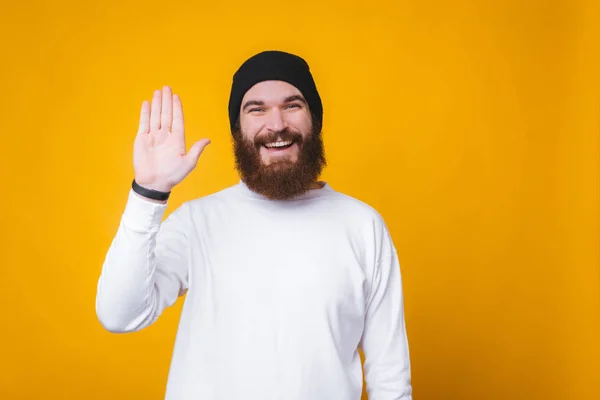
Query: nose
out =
(275, 120)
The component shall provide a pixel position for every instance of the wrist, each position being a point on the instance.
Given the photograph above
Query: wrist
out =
(150, 192)
(154, 186)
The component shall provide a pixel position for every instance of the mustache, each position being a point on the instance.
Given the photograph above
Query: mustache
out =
(284, 135)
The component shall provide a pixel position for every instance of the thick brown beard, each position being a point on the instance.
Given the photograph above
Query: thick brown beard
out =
(281, 180)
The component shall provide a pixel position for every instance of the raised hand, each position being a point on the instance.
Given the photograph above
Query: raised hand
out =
(160, 160)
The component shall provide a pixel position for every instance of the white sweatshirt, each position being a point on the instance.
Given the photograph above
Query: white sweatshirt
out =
(280, 295)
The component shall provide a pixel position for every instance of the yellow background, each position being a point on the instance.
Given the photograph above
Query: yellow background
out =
(472, 126)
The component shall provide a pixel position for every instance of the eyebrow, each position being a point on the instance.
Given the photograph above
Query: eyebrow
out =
(253, 103)
(288, 99)
(295, 97)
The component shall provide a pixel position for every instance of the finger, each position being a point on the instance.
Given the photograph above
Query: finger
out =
(155, 112)
(144, 126)
(166, 114)
(195, 151)
(177, 127)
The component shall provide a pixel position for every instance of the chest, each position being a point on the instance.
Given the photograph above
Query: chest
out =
(290, 264)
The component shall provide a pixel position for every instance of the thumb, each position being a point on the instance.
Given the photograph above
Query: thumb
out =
(194, 154)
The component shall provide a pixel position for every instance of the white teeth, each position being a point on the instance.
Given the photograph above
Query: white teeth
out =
(279, 144)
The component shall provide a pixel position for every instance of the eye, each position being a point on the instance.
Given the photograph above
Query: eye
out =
(293, 105)
(256, 109)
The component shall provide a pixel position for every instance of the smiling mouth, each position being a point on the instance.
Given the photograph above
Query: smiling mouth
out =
(279, 145)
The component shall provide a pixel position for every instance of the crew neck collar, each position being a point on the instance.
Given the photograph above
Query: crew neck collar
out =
(311, 194)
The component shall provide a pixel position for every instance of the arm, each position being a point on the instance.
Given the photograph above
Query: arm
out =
(146, 266)
(384, 342)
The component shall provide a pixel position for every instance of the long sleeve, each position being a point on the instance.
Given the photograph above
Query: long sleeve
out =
(146, 266)
(384, 341)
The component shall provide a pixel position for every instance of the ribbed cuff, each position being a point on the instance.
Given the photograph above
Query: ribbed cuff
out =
(143, 215)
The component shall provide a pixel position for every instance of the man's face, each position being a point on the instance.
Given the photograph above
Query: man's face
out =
(278, 149)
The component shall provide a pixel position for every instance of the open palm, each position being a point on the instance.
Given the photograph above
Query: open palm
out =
(160, 160)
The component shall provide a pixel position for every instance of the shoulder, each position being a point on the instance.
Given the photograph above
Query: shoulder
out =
(213, 199)
(195, 208)
(355, 209)
(367, 223)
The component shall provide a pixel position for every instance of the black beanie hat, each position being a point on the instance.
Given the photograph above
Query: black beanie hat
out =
(279, 66)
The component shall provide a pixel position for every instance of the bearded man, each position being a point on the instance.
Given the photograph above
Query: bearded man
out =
(285, 278)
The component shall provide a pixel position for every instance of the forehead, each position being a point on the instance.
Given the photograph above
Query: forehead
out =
(271, 91)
